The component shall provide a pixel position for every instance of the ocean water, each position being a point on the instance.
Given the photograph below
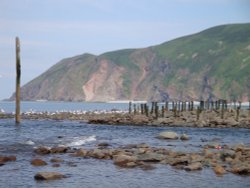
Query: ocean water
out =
(22, 139)
(9, 107)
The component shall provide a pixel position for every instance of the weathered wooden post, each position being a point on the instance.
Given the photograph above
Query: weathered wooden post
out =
(179, 106)
(156, 110)
(146, 109)
(175, 111)
(222, 110)
(18, 76)
(142, 109)
(130, 107)
(134, 109)
(226, 107)
(198, 113)
(166, 105)
(237, 113)
(212, 105)
(240, 104)
(192, 105)
(162, 111)
(152, 108)
(182, 106)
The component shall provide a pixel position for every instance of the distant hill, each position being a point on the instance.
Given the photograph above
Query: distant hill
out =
(214, 63)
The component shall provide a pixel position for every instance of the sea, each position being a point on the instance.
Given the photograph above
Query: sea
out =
(21, 140)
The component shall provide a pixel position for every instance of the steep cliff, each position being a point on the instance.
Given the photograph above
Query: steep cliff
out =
(214, 63)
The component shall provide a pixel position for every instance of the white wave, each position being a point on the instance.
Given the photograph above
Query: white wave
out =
(29, 142)
(79, 141)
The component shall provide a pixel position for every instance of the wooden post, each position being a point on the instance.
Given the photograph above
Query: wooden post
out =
(152, 108)
(192, 105)
(222, 110)
(156, 108)
(175, 109)
(237, 113)
(130, 107)
(134, 109)
(166, 105)
(198, 113)
(142, 109)
(18, 75)
(162, 111)
(146, 109)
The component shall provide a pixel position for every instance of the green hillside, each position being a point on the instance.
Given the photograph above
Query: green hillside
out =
(214, 63)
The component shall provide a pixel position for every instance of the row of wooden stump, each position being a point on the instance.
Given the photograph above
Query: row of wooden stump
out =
(176, 107)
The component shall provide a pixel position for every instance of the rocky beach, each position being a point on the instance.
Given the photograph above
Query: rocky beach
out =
(206, 118)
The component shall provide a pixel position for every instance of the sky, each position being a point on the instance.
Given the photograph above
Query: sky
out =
(50, 30)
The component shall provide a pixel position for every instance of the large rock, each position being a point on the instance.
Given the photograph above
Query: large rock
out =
(151, 157)
(123, 160)
(56, 160)
(80, 153)
(231, 122)
(219, 170)
(61, 149)
(193, 166)
(241, 169)
(168, 135)
(42, 150)
(4, 159)
(184, 137)
(38, 162)
(227, 153)
(49, 176)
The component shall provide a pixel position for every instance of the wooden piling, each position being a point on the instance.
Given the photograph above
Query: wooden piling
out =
(130, 107)
(152, 108)
(146, 109)
(142, 109)
(192, 105)
(198, 113)
(222, 110)
(156, 110)
(166, 105)
(18, 76)
(162, 111)
(134, 109)
(237, 113)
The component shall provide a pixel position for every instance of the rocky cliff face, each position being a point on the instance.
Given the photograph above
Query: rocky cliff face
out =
(211, 64)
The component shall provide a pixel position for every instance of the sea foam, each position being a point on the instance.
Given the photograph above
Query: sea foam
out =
(79, 141)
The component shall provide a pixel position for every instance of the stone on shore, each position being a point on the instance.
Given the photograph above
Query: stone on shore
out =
(80, 153)
(38, 162)
(49, 176)
(241, 169)
(4, 159)
(56, 160)
(42, 150)
(150, 157)
(123, 160)
(61, 149)
(168, 135)
(219, 170)
(184, 137)
(193, 166)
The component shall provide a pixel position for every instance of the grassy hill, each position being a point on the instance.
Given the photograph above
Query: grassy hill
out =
(214, 63)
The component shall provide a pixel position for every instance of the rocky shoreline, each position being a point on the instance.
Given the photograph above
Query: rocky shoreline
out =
(221, 159)
(206, 118)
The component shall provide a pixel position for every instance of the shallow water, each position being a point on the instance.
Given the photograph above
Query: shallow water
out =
(21, 140)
